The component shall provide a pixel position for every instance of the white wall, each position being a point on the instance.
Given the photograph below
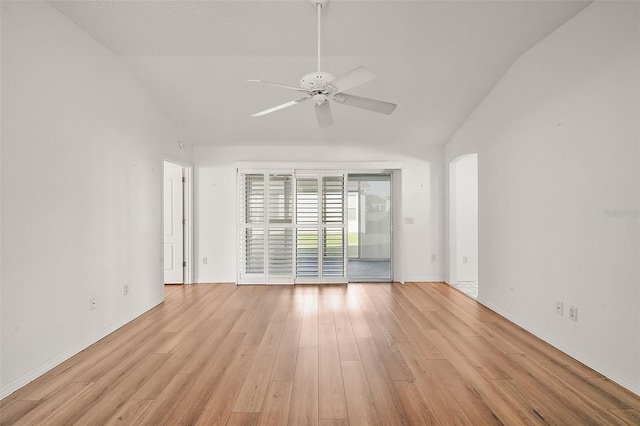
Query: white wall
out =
(557, 141)
(216, 202)
(466, 217)
(82, 148)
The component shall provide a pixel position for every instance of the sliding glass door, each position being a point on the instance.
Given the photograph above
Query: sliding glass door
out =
(369, 227)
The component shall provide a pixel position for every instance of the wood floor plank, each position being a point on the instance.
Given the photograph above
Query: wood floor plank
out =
(212, 337)
(325, 305)
(427, 378)
(195, 350)
(395, 363)
(331, 402)
(283, 307)
(56, 402)
(412, 310)
(348, 299)
(261, 318)
(12, 413)
(255, 384)
(277, 401)
(209, 301)
(524, 369)
(107, 381)
(333, 422)
(167, 401)
(243, 419)
(129, 412)
(304, 397)
(613, 392)
(283, 367)
(346, 339)
(476, 381)
(418, 353)
(415, 404)
(385, 397)
(107, 405)
(571, 372)
(629, 416)
(309, 330)
(220, 404)
(360, 406)
(206, 382)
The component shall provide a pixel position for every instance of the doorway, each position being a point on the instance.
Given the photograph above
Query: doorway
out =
(369, 227)
(176, 214)
(463, 224)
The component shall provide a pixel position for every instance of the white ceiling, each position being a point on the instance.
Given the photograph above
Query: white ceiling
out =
(436, 60)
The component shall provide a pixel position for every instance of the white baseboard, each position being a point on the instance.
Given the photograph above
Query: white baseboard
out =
(605, 370)
(467, 279)
(214, 280)
(423, 279)
(34, 373)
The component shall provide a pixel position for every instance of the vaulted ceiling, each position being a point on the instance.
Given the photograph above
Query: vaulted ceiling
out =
(436, 60)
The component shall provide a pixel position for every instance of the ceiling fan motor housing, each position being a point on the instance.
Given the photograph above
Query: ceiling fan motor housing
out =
(316, 80)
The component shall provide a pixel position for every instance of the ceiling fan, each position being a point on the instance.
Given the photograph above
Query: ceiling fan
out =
(322, 86)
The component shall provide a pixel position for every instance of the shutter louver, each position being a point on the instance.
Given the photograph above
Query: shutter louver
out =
(280, 198)
(333, 252)
(333, 199)
(253, 248)
(307, 200)
(280, 252)
(307, 244)
(253, 196)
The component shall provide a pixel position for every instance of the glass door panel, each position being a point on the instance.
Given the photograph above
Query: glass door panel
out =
(369, 227)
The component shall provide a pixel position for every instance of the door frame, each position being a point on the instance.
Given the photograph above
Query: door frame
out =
(187, 172)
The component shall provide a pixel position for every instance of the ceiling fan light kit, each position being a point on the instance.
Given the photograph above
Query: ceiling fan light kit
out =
(322, 86)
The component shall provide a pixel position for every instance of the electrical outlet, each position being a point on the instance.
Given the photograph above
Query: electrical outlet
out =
(573, 313)
(465, 259)
(125, 289)
(559, 308)
(204, 260)
(433, 257)
(92, 303)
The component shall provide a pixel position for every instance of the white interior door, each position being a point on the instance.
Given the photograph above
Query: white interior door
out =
(173, 224)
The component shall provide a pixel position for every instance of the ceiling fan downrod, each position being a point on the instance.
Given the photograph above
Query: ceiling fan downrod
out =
(317, 81)
(319, 5)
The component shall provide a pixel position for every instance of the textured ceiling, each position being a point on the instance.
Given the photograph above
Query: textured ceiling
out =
(436, 60)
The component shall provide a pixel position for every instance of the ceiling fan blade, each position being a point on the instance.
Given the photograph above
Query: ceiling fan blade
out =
(353, 78)
(284, 86)
(323, 112)
(365, 103)
(279, 107)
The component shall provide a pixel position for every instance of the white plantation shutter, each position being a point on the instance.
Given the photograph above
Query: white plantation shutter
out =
(333, 218)
(251, 253)
(292, 227)
(280, 241)
(307, 231)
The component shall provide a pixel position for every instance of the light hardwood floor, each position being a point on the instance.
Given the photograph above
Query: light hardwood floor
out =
(362, 354)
